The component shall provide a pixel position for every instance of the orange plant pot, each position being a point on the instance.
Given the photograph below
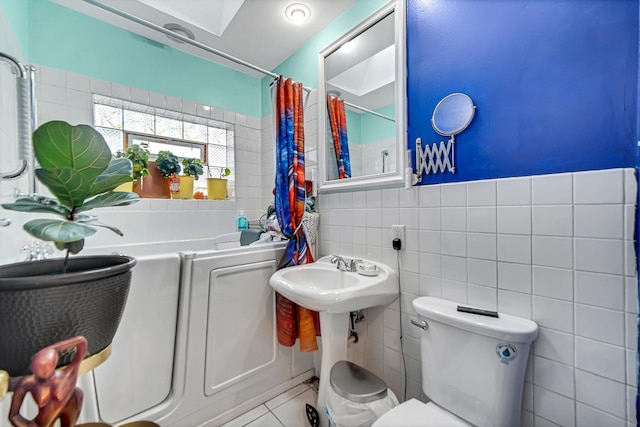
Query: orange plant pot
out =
(154, 185)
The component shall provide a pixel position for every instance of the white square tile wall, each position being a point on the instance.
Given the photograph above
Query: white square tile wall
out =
(371, 156)
(67, 96)
(13, 238)
(556, 248)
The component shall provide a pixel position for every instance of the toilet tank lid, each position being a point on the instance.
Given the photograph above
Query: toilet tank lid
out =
(504, 327)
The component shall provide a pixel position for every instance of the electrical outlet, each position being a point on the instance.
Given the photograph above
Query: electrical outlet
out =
(398, 232)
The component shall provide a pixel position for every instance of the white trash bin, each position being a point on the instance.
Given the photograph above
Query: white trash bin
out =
(356, 397)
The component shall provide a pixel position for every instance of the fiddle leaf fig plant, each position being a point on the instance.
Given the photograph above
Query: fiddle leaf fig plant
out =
(77, 167)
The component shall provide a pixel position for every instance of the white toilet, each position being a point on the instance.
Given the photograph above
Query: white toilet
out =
(473, 368)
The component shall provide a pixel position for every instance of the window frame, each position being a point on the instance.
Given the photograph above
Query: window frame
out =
(224, 152)
(169, 141)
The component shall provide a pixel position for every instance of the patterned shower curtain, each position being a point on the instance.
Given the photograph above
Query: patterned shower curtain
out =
(293, 321)
(338, 122)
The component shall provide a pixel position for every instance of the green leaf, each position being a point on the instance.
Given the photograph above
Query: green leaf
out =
(73, 247)
(108, 184)
(54, 230)
(76, 165)
(93, 221)
(118, 172)
(112, 198)
(41, 204)
(117, 167)
(57, 145)
(69, 186)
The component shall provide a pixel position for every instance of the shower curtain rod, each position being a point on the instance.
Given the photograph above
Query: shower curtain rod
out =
(206, 48)
(184, 39)
(366, 110)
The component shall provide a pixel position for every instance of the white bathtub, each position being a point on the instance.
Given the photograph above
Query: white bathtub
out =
(197, 344)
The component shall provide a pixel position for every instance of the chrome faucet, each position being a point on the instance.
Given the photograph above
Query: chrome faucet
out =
(351, 266)
(337, 259)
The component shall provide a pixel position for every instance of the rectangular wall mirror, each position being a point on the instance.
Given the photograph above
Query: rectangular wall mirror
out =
(362, 101)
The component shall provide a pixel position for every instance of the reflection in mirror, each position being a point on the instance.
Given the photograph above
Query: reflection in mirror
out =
(362, 73)
(360, 84)
(453, 114)
(338, 135)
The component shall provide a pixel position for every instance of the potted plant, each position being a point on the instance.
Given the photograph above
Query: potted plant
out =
(156, 184)
(191, 171)
(46, 301)
(168, 165)
(217, 187)
(139, 157)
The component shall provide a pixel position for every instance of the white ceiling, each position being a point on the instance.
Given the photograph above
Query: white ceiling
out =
(258, 33)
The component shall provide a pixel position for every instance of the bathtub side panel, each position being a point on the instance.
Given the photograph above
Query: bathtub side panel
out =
(241, 338)
(138, 374)
(227, 354)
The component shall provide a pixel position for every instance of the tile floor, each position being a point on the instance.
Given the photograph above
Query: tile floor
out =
(286, 410)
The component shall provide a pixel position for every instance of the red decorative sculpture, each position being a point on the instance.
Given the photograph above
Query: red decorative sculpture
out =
(54, 391)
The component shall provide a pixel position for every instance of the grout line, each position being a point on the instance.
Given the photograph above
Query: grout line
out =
(279, 420)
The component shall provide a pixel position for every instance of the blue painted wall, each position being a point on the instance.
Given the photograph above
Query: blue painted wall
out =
(555, 83)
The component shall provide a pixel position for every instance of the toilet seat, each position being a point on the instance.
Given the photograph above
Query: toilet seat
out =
(414, 413)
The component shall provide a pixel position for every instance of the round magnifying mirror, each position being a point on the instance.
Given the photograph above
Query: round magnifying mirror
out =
(453, 114)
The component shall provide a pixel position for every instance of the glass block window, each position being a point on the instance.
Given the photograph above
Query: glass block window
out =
(139, 122)
(123, 123)
(195, 132)
(107, 116)
(168, 127)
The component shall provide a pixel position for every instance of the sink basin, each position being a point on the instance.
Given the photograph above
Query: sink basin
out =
(320, 286)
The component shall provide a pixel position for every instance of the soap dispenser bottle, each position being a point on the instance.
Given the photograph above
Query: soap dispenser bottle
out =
(242, 222)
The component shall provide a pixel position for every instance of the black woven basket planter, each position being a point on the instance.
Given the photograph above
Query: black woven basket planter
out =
(40, 306)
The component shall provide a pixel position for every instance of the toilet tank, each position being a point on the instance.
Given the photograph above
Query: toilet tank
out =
(474, 365)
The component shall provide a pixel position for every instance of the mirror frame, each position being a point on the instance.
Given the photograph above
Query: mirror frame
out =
(391, 179)
(460, 129)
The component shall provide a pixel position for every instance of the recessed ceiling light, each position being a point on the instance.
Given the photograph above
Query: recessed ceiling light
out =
(179, 29)
(297, 13)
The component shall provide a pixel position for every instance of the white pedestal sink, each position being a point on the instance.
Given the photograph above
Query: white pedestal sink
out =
(321, 286)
